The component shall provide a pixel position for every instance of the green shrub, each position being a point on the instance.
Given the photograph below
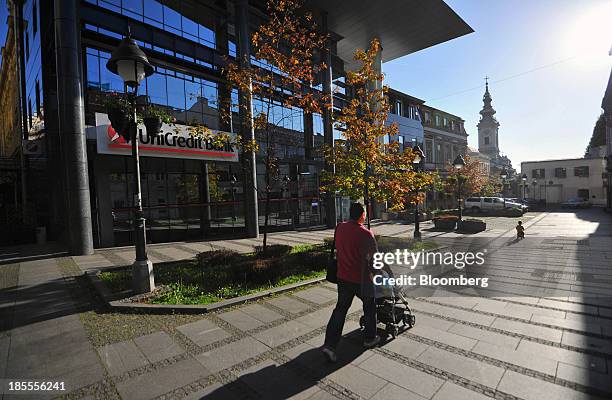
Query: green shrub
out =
(216, 257)
(272, 250)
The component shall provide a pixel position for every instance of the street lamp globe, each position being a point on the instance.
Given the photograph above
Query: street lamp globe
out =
(418, 154)
(524, 177)
(459, 162)
(129, 62)
(534, 182)
(504, 173)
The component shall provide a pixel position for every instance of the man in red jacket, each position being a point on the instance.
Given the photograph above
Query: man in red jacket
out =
(355, 247)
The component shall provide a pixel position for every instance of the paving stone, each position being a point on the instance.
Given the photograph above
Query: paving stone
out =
(585, 377)
(230, 354)
(158, 346)
(216, 391)
(317, 295)
(122, 357)
(203, 332)
(175, 254)
(261, 313)
(587, 342)
(451, 391)
(477, 371)
(288, 304)
(553, 335)
(537, 362)
(438, 323)
(280, 334)
(316, 319)
(358, 381)
(565, 306)
(402, 375)
(577, 325)
(161, 381)
(482, 335)
(274, 381)
(428, 332)
(406, 347)
(529, 388)
(394, 392)
(241, 320)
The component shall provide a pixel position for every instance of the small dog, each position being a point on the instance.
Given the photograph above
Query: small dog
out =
(520, 230)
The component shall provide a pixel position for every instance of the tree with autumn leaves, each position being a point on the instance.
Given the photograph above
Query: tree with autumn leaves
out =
(467, 180)
(287, 47)
(367, 165)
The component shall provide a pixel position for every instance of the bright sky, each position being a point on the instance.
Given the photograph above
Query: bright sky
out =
(3, 26)
(558, 49)
(548, 113)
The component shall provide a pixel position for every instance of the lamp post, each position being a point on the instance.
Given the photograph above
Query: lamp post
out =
(417, 164)
(458, 164)
(131, 64)
(524, 179)
(534, 183)
(233, 181)
(286, 181)
(504, 175)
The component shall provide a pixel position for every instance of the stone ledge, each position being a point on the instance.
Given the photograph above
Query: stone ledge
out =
(113, 301)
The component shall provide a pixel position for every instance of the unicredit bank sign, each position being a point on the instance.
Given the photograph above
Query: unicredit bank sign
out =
(174, 141)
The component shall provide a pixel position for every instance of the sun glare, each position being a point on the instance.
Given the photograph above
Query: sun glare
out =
(589, 38)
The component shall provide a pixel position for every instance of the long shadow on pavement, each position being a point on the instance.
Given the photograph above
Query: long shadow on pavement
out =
(274, 380)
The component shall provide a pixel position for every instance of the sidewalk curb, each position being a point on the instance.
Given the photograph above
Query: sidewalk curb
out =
(111, 300)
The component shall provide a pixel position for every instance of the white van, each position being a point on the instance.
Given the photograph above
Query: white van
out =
(478, 204)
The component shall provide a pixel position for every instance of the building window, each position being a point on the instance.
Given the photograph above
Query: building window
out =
(581, 171)
(486, 140)
(538, 173)
(37, 94)
(429, 151)
(34, 20)
(452, 125)
(560, 172)
(427, 116)
(398, 107)
(445, 122)
(437, 120)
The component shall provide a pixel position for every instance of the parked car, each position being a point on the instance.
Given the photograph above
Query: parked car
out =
(523, 203)
(576, 202)
(478, 204)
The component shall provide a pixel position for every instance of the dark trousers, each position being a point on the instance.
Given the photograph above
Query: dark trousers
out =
(346, 292)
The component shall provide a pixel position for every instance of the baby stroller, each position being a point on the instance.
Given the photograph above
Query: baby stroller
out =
(392, 310)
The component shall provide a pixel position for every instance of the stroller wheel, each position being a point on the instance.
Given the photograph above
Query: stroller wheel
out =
(392, 330)
(409, 320)
(362, 321)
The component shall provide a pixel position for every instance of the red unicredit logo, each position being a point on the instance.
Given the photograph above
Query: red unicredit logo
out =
(113, 136)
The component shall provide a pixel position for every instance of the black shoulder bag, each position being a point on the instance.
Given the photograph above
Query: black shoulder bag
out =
(332, 264)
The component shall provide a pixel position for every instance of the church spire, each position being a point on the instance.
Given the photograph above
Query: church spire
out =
(487, 113)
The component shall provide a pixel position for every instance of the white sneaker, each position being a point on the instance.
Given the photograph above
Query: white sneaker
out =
(372, 342)
(329, 354)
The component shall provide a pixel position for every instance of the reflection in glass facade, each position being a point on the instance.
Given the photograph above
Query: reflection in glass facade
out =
(188, 98)
(153, 13)
(33, 65)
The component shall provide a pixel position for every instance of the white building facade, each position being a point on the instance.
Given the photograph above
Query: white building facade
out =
(556, 181)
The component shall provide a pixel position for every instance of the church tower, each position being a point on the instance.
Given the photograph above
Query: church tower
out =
(488, 139)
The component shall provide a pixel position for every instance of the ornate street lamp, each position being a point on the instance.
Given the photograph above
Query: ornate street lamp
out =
(459, 163)
(131, 64)
(524, 179)
(233, 181)
(417, 164)
(504, 175)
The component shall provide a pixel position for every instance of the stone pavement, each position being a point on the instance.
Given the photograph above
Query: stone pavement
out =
(542, 332)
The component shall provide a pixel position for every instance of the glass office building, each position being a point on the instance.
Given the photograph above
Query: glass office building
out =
(185, 197)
